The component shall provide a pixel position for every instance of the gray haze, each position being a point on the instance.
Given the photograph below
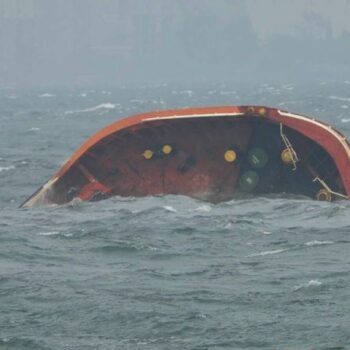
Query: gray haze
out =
(60, 42)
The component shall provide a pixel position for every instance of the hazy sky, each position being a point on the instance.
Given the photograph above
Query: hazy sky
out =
(120, 41)
(270, 17)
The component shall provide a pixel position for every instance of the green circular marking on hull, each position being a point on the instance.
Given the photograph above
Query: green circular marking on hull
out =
(257, 158)
(248, 181)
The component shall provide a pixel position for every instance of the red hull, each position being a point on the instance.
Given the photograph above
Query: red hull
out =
(206, 153)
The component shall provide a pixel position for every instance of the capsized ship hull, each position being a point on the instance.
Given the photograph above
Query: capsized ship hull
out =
(213, 154)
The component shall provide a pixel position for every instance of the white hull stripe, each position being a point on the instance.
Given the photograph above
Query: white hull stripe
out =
(188, 116)
(328, 128)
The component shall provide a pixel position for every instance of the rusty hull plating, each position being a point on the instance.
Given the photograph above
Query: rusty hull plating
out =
(213, 154)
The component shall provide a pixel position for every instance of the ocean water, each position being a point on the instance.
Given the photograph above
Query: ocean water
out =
(164, 272)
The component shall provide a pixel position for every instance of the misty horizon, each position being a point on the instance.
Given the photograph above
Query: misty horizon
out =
(87, 42)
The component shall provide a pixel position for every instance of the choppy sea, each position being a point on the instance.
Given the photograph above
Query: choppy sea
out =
(164, 272)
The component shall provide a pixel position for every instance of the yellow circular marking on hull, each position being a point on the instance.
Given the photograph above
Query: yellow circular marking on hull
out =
(262, 111)
(287, 156)
(230, 156)
(147, 154)
(167, 149)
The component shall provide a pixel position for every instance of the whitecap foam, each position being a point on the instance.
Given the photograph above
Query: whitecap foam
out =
(46, 94)
(189, 93)
(339, 98)
(345, 120)
(204, 208)
(106, 105)
(34, 129)
(74, 202)
(153, 249)
(267, 252)
(7, 168)
(170, 208)
(315, 242)
(48, 233)
(311, 283)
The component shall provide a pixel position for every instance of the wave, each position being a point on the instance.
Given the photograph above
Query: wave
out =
(46, 95)
(189, 93)
(268, 252)
(21, 343)
(7, 168)
(106, 105)
(228, 92)
(48, 233)
(339, 98)
(170, 208)
(203, 208)
(315, 243)
(311, 283)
